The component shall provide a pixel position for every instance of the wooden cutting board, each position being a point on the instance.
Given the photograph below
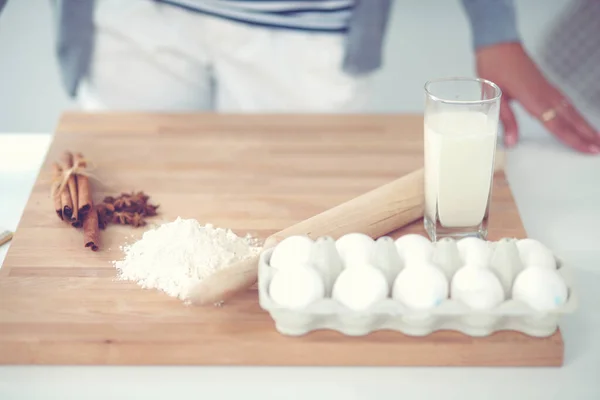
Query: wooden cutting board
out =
(61, 304)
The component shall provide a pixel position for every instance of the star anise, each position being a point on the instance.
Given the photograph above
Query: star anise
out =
(105, 208)
(127, 209)
(137, 220)
(122, 217)
(123, 202)
(150, 210)
(140, 197)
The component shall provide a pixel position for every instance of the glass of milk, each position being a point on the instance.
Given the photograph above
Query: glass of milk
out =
(461, 126)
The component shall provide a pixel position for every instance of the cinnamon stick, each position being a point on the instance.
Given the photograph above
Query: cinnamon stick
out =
(66, 204)
(84, 195)
(91, 229)
(67, 161)
(57, 171)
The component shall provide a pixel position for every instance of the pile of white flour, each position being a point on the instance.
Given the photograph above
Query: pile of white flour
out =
(178, 254)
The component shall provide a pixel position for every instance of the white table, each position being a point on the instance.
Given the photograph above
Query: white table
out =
(558, 195)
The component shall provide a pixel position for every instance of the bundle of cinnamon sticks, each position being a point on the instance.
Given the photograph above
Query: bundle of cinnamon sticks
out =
(73, 197)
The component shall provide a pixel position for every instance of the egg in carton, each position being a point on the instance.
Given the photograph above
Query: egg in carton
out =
(357, 285)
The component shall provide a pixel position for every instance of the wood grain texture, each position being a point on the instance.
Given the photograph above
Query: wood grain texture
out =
(61, 304)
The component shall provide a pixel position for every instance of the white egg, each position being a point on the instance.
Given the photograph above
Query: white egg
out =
(541, 288)
(474, 251)
(361, 287)
(291, 252)
(296, 288)
(532, 252)
(421, 286)
(478, 288)
(355, 249)
(413, 248)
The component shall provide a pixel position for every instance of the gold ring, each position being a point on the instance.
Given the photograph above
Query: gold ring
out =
(551, 113)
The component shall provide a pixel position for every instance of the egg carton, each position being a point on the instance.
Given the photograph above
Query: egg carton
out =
(392, 314)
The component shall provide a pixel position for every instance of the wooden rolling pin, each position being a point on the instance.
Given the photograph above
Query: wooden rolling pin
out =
(375, 213)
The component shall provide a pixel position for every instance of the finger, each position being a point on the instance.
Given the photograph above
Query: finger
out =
(563, 130)
(583, 128)
(509, 122)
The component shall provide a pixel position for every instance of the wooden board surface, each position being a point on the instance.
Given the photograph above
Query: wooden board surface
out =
(61, 304)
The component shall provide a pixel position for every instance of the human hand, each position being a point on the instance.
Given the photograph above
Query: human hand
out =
(509, 66)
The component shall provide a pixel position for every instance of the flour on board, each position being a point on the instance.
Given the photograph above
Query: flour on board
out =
(176, 255)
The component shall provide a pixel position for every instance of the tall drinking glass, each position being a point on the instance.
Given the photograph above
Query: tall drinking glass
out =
(460, 128)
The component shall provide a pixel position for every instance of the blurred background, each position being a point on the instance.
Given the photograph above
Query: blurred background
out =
(32, 98)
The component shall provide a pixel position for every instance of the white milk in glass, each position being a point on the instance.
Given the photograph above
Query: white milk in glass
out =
(459, 158)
